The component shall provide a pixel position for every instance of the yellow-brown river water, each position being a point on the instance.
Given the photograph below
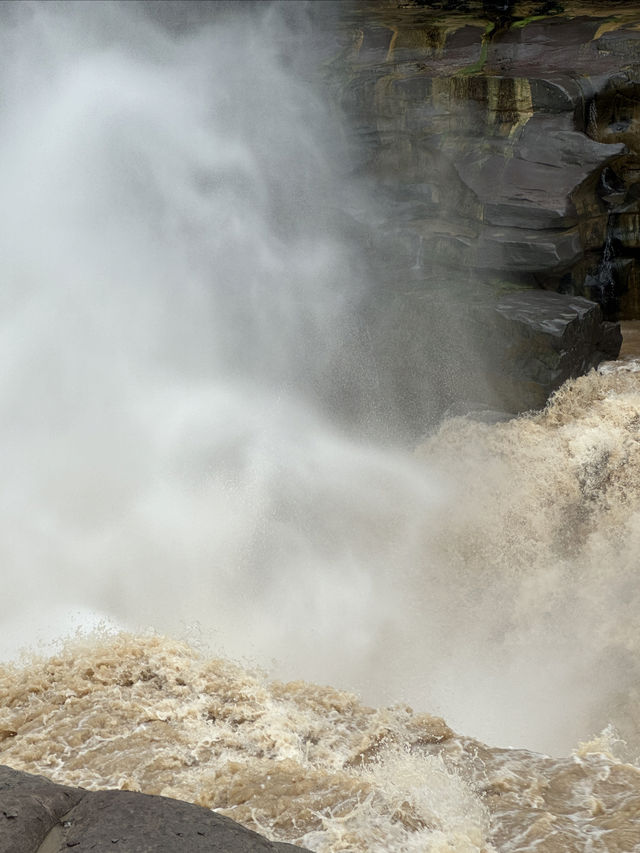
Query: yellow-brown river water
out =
(179, 316)
(318, 766)
(300, 762)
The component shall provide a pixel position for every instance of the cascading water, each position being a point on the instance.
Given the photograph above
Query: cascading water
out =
(177, 318)
(606, 266)
(601, 286)
(592, 121)
(185, 412)
(602, 283)
(179, 342)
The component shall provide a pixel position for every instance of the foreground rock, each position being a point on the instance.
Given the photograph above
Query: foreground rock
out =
(38, 816)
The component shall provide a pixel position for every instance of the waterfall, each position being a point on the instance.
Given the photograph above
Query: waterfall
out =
(185, 393)
(592, 121)
(180, 342)
(602, 284)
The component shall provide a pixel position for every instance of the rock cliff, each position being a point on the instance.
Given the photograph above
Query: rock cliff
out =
(503, 143)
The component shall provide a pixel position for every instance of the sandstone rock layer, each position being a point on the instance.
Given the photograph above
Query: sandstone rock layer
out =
(502, 143)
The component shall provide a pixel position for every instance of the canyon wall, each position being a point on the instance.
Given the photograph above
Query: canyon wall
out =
(502, 141)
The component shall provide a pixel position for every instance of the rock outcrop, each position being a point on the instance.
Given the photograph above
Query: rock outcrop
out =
(468, 354)
(502, 142)
(544, 339)
(38, 816)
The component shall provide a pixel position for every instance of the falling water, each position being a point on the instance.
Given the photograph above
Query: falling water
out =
(179, 330)
(592, 121)
(420, 256)
(186, 443)
(605, 270)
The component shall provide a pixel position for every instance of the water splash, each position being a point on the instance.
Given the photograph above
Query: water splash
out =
(180, 339)
(179, 334)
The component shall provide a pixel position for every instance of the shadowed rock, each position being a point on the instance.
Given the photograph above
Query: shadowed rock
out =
(482, 352)
(38, 816)
(546, 338)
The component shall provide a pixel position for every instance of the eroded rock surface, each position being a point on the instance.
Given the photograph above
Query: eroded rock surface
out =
(502, 144)
(544, 339)
(509, 143)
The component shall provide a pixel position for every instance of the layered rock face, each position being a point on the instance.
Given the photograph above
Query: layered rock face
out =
(504, 142)
(507, 145)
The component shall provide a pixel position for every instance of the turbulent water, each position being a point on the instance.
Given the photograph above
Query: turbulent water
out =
(300, 762)
(537, 637)
(185, 431)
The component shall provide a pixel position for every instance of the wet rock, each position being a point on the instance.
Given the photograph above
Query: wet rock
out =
(489, 134)
(485, 354)
(30, 807)
(38, 816)
(542, 340)
(504, 150)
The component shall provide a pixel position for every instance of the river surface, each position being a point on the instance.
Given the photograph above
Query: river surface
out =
(179, 307)
(531, 635)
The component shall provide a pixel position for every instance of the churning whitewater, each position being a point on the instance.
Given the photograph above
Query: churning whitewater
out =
(189, 451)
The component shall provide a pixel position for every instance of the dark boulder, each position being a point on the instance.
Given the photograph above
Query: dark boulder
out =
(30, 808)
(542, 339)
(38, 816)
(481, 353)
